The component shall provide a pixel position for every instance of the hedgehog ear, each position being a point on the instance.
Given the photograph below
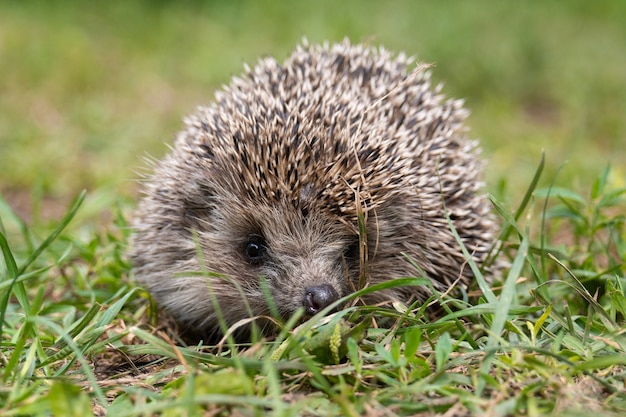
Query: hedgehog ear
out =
(198, 207)
(197, 218)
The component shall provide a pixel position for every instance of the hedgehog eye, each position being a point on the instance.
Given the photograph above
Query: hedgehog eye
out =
(255, 249)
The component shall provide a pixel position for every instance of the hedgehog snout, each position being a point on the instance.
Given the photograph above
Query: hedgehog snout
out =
(317, 298)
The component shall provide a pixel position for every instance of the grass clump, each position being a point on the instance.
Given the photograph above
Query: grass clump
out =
(78, 337)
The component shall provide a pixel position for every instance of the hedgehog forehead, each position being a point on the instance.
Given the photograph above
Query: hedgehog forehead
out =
(303, 167)
(277, 158)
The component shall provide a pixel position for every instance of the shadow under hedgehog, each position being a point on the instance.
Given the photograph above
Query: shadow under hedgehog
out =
(269, 182)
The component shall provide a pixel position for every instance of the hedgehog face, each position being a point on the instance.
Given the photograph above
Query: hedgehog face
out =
(302, 259)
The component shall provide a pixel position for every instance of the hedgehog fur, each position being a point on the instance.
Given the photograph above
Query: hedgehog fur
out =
(264, 189)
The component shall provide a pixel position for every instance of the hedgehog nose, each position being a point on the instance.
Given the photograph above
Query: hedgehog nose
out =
(319, 297)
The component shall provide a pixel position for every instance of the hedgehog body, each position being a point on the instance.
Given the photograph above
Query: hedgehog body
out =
(262, 193)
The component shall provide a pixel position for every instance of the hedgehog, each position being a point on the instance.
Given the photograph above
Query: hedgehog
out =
(305, 181)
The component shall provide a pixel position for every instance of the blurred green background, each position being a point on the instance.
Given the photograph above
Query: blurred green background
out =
(88, 89)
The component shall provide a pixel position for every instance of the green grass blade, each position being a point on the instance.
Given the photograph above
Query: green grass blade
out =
(13, 274)
(508, 294)
(56, 232)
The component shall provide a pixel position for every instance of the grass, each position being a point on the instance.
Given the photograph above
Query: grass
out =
(79, 337)
(87, 91)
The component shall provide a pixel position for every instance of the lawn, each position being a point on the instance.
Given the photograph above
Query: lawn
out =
(88, 92)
